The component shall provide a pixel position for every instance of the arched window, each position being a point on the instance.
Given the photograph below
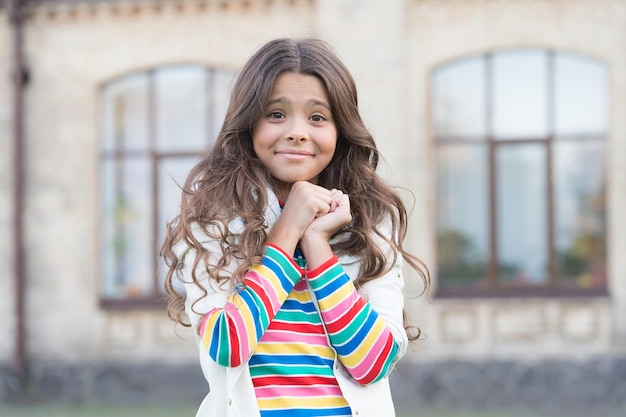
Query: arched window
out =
(521, 189)
(155, 126)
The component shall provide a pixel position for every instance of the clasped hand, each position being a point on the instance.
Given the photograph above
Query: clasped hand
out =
(312, 214)
(314, 209)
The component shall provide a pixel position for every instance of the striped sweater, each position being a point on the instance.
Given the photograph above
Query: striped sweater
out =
(273, 322)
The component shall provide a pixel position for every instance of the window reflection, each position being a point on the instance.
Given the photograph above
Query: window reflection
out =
(521, 172)
(459, 105)
(522, 238)
(580, 214)
(520, 95)
(180, 108)
(125, 114)
(463, 243)
(126, 228)
(133, 238)
(581, 97)
(155, 126)
(220, 81)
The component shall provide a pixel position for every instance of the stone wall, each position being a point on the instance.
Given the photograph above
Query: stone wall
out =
(593, 387)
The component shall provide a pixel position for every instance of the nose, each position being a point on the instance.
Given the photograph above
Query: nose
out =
(297, 131)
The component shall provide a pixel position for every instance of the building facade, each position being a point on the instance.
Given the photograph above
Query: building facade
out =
(504, 121)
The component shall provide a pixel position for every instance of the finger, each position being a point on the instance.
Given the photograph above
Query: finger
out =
(335, 193)
(343, 205)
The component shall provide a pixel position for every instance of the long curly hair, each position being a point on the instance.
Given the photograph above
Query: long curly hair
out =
(231, 182)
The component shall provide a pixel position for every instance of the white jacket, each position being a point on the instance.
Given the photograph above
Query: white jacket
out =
(231, 391)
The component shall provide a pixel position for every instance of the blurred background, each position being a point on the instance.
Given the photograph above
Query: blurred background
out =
(503, 120)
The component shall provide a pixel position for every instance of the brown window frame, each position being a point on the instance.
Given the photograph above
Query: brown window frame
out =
(494, 287)
(156, 298)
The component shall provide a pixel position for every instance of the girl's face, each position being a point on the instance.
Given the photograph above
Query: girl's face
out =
(296, 136)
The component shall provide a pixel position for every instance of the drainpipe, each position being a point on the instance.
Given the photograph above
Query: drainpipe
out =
(15, 11)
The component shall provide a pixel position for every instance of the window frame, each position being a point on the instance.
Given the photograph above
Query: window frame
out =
(494, 287)
(151, 155)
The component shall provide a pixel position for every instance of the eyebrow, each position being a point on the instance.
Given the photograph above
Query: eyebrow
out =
(311, 102)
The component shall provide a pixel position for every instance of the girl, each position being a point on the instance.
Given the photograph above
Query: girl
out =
(290, 248)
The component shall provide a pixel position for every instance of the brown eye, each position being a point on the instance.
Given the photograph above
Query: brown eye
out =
(276, 115)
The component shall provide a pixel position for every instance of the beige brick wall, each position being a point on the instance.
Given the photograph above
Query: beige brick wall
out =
(391, 47)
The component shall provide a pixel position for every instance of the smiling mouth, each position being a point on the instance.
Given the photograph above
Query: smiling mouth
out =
(294, 156)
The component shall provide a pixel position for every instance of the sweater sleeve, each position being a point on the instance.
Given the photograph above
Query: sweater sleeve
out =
(231, 333)
(363, 342)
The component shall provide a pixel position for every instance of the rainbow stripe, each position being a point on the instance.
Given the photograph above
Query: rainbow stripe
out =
(273, 323)
(292, 368)
(230, 334)
(363, 343)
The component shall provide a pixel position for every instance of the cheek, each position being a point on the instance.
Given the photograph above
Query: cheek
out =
(331, 145)
(263, 134)
(332, 149)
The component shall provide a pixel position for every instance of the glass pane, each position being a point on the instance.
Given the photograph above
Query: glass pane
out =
(520, 95)
(172, 175)
(581, 96)
(127, 244)
(580, 205)
(521, 222)
(181, 109)
(459, 99)
(463, 225)
(110, 281)
(219, 96)
(125, 114)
